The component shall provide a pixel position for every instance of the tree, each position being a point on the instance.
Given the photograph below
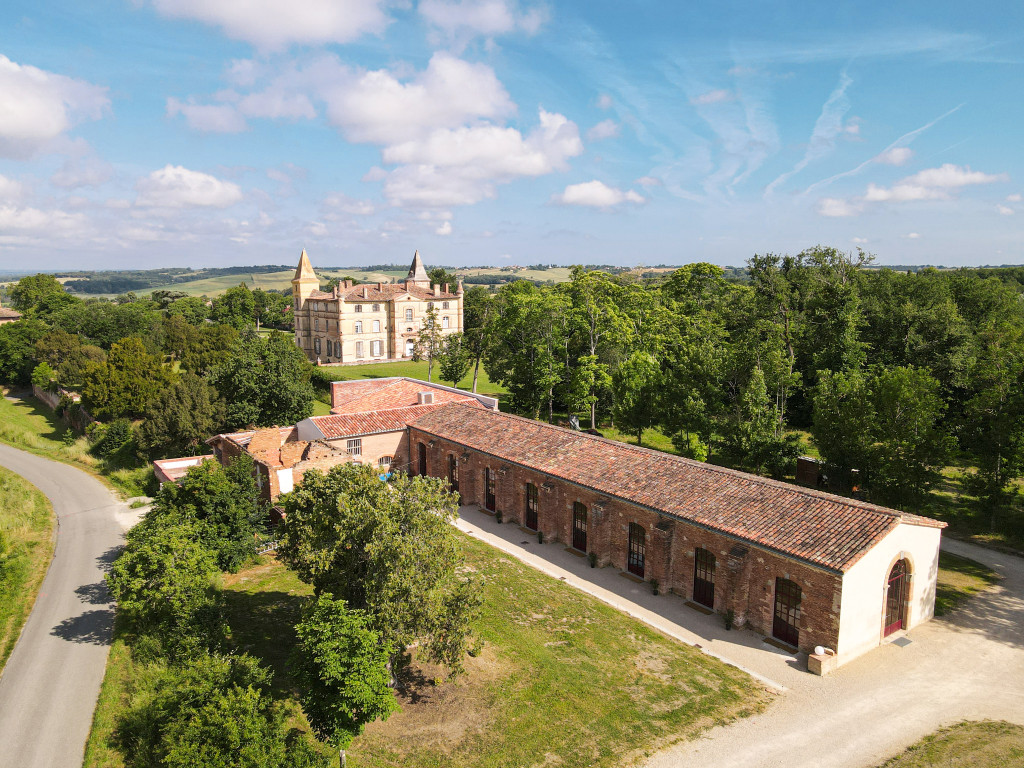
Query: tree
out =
(192, 308)
(265, 382)
(388, 549)
(476, 313)
(754, 438)
(235, 307)
(454, 358)
(217, 712)
(270, 308)
(181, 417)
(164, 585)
(636, 385)
(843, 423)
(208, 346)
(39, 295)
(343, 669)
(587, 378)
(429, 341)
(441, 276)
(44, 377)
(222, 502)
(105, 323)
(17, 349)
(126, 384)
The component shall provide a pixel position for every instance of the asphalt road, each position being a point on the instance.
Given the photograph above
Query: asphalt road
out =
(49, 687)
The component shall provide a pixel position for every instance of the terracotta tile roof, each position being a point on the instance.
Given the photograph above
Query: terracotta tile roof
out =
(384, 293)
(9, 314)
(341, 425)
(819, 528)
(172, 470)
(378, 394)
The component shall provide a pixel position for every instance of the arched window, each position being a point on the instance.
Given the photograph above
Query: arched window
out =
(316, 345)
(384, 461)
(896, 598)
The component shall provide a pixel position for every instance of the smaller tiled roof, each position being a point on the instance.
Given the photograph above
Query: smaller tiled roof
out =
(172, 470)
(371, 292)
(343, 425)
(819, 528)
(393, 392)
(9, 314)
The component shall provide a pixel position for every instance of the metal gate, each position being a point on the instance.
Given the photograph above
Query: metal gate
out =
(704, 577)
(579, 527)
(637, 550)
(786, 626)
(896, 599)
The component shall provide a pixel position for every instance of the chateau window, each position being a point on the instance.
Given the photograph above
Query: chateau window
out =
(359, 326)
(376, 307)
(316, 323)
(444, 321)
(359, 308)
(355, 446)
(430, 305)
(316, 345)
(376, 326)
(359, 349)
(376, 348)
(408, 314)
(444, 305)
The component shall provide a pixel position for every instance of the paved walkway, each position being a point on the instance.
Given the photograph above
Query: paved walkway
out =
(966, 666)
(49, 687)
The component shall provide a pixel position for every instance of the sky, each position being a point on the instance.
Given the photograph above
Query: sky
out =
(138, 134)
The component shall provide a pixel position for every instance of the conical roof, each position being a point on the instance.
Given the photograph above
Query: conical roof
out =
(305, 270)
(417, 272)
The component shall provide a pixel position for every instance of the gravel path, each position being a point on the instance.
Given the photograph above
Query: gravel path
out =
(49, 687)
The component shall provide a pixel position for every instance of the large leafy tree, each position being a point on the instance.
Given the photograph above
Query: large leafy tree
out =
(477, 311)
(388, 549)
(637, 384)
(17, 349)
(40, 295)
(235, 307)
(192, 308)
(265, 382)
(104, 323)
(224, 504)
(181, 417)
(429, 341)
(454, 358)
(753, 437)
(343, 669)
(126, 384)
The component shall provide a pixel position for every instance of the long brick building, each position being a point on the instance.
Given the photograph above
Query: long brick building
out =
(804, 567)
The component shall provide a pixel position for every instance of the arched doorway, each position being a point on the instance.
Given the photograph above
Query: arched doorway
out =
(896, 598)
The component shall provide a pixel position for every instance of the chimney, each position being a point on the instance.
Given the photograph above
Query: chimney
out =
(335, 290)
(379, 286)
(348, 284)
(437, 289)
(364, 291)
(445, 288)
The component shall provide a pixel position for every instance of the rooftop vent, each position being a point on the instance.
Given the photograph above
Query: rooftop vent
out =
(425, 398)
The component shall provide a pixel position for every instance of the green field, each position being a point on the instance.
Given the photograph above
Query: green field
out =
(26, 546)
(984, 744)
(413, 370)
(30, 425)
(562, 679)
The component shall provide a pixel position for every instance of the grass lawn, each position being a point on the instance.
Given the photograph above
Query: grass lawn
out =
(958, 580)
(562, 679)
(984, 744)
(26, 547)
(413, 370)
(31, 426)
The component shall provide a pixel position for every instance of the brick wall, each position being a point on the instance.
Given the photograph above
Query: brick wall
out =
(745, 575)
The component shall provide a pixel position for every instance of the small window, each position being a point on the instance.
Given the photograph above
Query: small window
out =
(430, 305)
(359, 308)
(359, 349)
(444, 321)
(359, 326)
(384, 461)
(408, 314)
(316, 323)
(376, 307)
(376, 326)
(444, 305)
(355, 446)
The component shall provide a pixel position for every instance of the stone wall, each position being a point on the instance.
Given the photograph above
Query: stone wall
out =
(745, 574)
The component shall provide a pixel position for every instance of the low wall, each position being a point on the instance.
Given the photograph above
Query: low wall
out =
(78, 418)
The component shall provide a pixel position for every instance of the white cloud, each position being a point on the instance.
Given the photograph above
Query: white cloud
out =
(835, 207)
(895, 156)
(1015, 198)
(713, 97)
(10, 189)
(649, 181)
(462, 166)
(214, 118)
(913, 236)
(276, 24)
(1005, 210)
(87, 170)
(339, 202)
(29, 220)
(445, 229)
(38, 106)
(488, 18)
(176, 187)
(604, 101)
(606, 129)
(596, 194)
(859, 240)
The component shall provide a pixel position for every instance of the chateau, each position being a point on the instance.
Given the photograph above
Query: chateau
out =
(375, 321)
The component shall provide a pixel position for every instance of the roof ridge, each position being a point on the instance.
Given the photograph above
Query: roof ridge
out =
(716, 469)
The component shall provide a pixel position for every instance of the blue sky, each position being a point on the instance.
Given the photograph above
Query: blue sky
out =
(145, 133)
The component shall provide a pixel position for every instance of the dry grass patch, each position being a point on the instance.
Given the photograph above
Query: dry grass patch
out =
(985, 744)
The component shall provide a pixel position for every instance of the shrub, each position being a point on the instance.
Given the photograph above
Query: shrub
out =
(116, 436)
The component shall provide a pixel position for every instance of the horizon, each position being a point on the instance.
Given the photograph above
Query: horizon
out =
(133, 134)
